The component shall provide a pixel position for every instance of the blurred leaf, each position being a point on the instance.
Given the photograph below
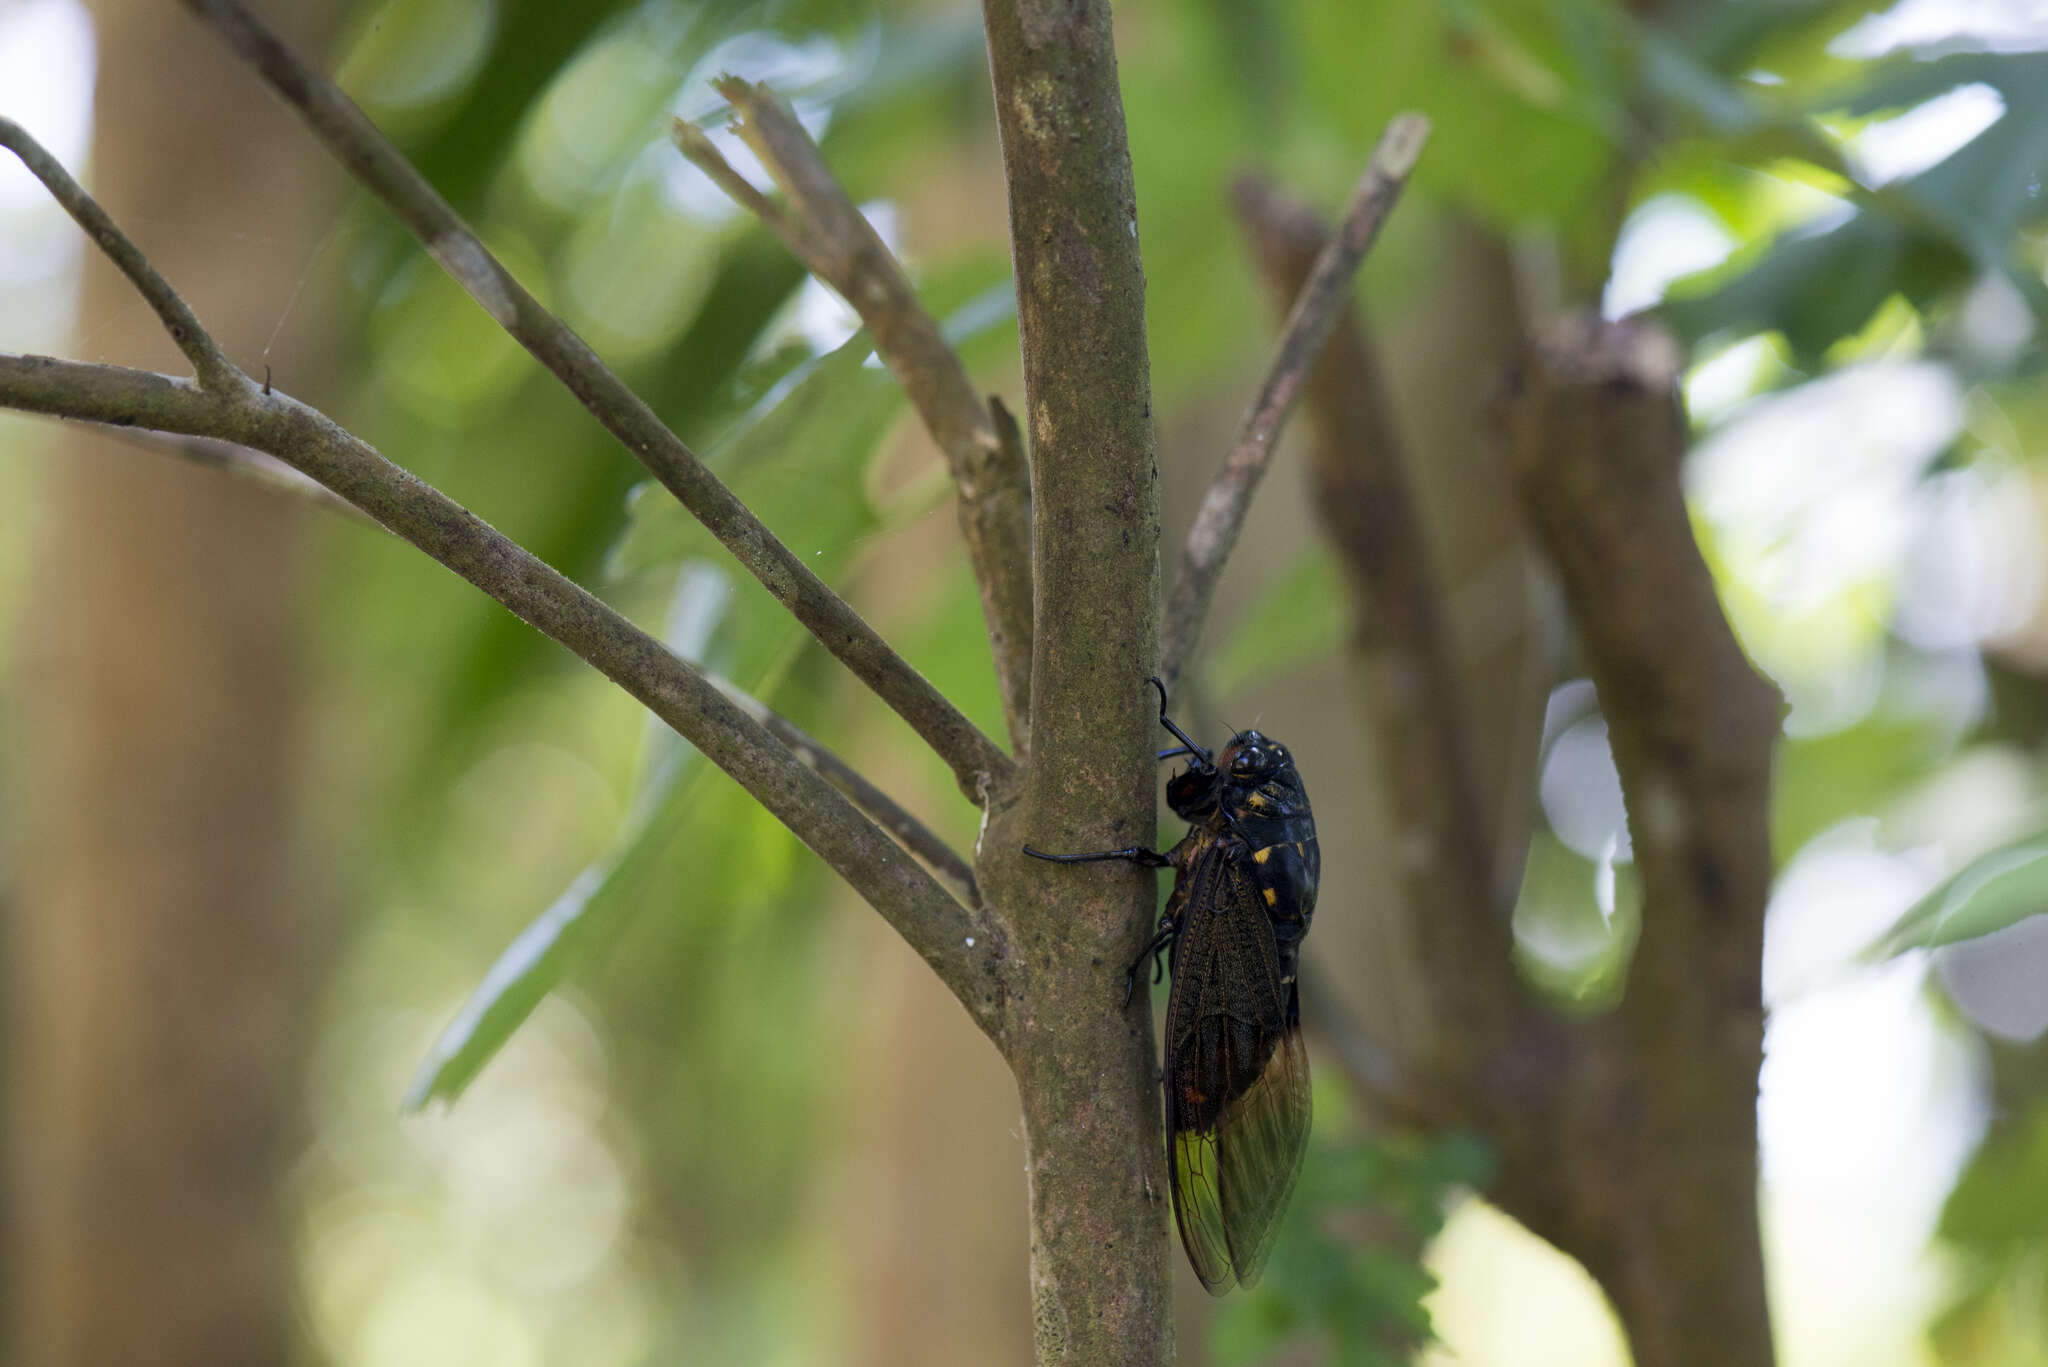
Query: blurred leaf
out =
(950, 647)
(1989, 893)
(2000, 1203)
(1818, 781)
(801, 456)
(406, 59)
(536, 961)
(1248, 35)
(1815, 287)
(1570, 948)
(541, 954)
(1297, 619)
(1922, 236)
(1365, 1303)
(1525, 95)
(542, 471)
(1731, 39)
(1691, 88)
(532, 40)
(797, 460)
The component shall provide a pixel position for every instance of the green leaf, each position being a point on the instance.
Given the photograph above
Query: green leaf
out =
(1818, 781)
(1922, 236)
(2000, 1203)
(802, 456)
(796, 459)
(1789, 33)
(1989, 893)
(539, 956)
(1526, 96)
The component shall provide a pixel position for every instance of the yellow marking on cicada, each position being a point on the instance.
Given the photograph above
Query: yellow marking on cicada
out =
(1257, 802)
(1261, 856)
(1301, 849)
(1272, 897)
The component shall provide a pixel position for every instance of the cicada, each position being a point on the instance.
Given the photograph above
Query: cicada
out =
(1236, 1075)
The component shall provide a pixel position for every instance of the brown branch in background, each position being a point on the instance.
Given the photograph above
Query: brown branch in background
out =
(1413, 690)
(977, 763)
(212, 367)
(1664, 1088)
(1385, 1089)
(1315, 310)
(828, 233)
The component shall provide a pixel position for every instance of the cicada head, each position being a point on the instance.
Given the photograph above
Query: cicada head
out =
(1192, 793)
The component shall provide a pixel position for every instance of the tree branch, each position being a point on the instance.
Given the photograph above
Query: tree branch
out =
(976, 762)
(242, 463)
(1086, 1071)
(212, 367)
(1594, 436)
(826, 232)
(963, 947)
(855, 786)
(877, 805)
(1315, 310)
(1414, 693)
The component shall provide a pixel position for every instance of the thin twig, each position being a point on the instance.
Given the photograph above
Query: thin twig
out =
(209, 363)
(242, 463)
(1223, 509)
(962, 946)
(884, 810)
(977, 763)
(700, 151)
(1414, 694)
(911, 833)
(825, 230)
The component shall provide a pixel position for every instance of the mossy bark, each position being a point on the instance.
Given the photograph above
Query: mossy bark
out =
(1085, 1064)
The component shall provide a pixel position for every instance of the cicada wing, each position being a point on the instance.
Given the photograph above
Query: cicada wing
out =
(1198, 1206)
(1237, 1099)
(1195, 1073)
(1260, 1143)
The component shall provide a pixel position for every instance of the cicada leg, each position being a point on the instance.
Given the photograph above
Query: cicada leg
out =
(1160, 943)
(1136, 854)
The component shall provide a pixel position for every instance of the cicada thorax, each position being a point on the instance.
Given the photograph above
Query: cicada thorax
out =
(1264, 808)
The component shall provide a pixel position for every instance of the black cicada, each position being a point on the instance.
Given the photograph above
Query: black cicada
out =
(1237, 1094)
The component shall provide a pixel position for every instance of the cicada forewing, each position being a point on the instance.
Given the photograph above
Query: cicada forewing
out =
(1237, 1089)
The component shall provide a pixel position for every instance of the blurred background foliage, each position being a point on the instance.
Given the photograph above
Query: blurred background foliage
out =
(737, 1124)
